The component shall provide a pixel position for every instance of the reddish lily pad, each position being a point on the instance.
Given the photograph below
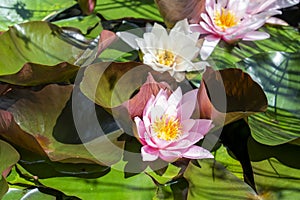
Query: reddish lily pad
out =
(173, 11)
(36, 74)
(229, 93)
(29, 120)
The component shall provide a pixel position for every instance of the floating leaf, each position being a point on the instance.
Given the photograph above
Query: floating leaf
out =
(33, 194)
(214, 180)
(109, 84)
(123, 8)
(16, 11)
(173, 11)
(274, 179)
(37, 74)
(228, 95)
(111, 186)
(8, 157)
(278, 74)
(282, 38)
(38, 48)
(30, 120)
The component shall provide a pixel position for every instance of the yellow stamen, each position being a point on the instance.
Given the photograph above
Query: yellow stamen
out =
(165, 57)
(225, 19)
(167, 128)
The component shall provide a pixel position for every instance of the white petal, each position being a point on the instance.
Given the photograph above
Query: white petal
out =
(129, 38)
(198, 66)
(181, 26)
(179, 76)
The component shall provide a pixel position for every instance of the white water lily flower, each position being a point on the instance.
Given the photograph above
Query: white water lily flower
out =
(172, 52)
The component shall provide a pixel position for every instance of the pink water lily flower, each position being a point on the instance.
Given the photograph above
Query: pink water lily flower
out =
(230, 21)
(166, 129)
(258, 6)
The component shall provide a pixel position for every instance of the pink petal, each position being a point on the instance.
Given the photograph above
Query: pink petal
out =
(277, 21)
(188, 103)
(169, 156)
(256, 35)
(187, 125)
(238, 7)
(175, 97)
(208, 46)
(256, 6)
(190, 95)
(196, 152)
(202, 126)
(179, 145)
(106, 38)
(186, 110)
(149, 153)
(140, 129)
(198, 28)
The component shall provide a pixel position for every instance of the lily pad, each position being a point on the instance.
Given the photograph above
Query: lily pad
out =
(16, 11)
(214, 180)
(229, 95)
(29, 120)
(122, 8)
(109, 84)
(278, 74)
(36, 74)
(35, 49)
(282, 38)
(111, 186)
(8, 157)
(274, 179)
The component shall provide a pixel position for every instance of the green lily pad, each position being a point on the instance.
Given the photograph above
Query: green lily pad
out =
(120, 9)
(41, 52)
(111, 186)
(8, 157)
(19, 11)
(32, 194)
(274, 180)
(278, 74)
(214, 180)
(109, 84)
(282, 38)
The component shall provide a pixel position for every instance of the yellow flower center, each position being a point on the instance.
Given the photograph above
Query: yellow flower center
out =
(167, 128)
(225, 19)
(165, 57)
